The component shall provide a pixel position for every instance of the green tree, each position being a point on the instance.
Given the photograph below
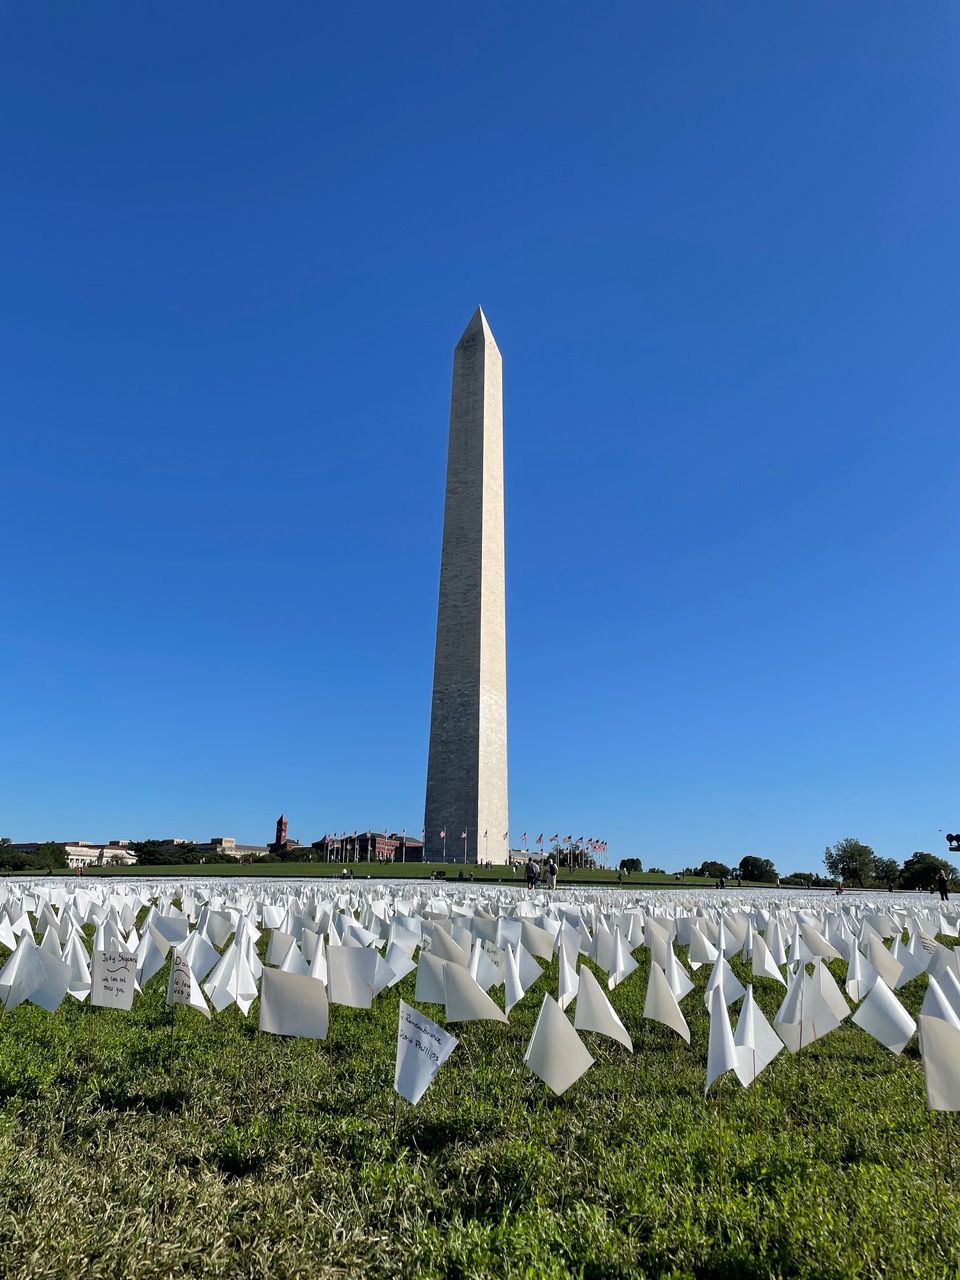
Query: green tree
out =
(920, 871)
(885, 871)
(45, 857)
(631, 864)
(762, 869)
(161, 853)
(849, 860)
(715, 870)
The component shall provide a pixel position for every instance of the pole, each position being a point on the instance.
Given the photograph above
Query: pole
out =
(464, 848)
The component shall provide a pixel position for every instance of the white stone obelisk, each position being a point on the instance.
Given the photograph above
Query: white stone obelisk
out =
(467, 766)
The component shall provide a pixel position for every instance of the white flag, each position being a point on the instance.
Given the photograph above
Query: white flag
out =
(182, 985)
(556, 1053)
(293, 1004)
(114, 978)
(596, 1013)
(884, 1017)
(422, 1049)
(940, 1050)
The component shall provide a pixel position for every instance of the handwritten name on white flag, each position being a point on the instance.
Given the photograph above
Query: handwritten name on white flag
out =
(114, 979)
(422, 1049)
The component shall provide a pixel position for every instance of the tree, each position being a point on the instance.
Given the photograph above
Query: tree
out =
(43, 858)
(631, 864)
(920, 871)
(849, 860)
(714, 870)
(162, 853)
(762, 869)
(886, 871)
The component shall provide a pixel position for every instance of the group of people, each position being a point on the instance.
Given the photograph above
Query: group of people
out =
(532, 870)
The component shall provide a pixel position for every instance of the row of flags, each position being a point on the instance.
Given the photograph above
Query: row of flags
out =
(584, 842)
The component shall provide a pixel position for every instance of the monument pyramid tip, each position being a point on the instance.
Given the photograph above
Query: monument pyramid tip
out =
(478, 324)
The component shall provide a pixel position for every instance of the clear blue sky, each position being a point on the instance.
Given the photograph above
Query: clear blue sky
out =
(718, 245)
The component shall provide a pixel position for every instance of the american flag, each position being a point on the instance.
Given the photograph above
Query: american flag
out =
(552, 838)
(463, 835)
(443, 834)
(505, 834)
(523, 838)
(540, 838)
(568, 839)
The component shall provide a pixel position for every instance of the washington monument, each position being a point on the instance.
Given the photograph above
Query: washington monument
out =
(467, 765)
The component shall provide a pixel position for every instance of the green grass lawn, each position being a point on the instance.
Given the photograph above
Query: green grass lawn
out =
(413, 870)
(154, 1143)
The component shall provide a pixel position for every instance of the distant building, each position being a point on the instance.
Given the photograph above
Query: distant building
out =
(368, 846)
(220, 848)
(86, 853)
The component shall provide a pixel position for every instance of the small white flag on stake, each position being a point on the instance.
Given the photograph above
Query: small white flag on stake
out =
(556, 1053)
(661, 1004)
(936, 1005)
(755, 1041)
(883, 1016)
(596, 1013)
(940, 1051)
(422, 1049)
(721, 1051)
(182, 986)
(465, 1000)
(114, 979)
(293, 1004)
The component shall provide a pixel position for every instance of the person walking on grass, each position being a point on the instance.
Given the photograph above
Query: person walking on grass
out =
(533, 874)
(943, 885)
(551, 873)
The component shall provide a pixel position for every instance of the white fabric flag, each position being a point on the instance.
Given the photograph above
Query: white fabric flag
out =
(465, 1000)
(755, 1041)
(200, 954)
(444, 948)
(722, 976)
(885, 964)
(804, 1015)
(41, 978)
(762, 962)
(318, 965)
(351, 975)
(701, 951)
(539, 942)
(721, 1051)
(936, 1005)
(512, 988)
(940, 1051)
(556, 1053)
(293, 1004)
(661, 1004)
(422, 1049)
(623, 962)
(568, 980)
(596, 1013)
(680, 981)
(530, 972)
(430, 988)
(861, 975)
(825, 983)
(883, 1016)
(483, 969)
(293, 962)
(399, 961)
(114, 979)
(182, 985)
(75, 955)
